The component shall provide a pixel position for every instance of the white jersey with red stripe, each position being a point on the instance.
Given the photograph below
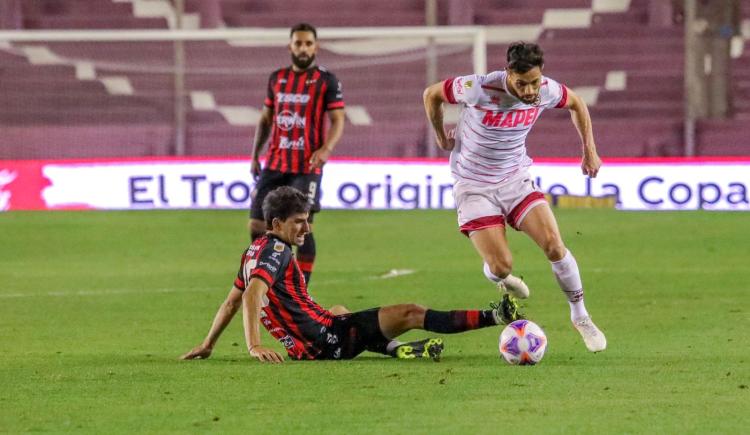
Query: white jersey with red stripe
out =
(493, 125)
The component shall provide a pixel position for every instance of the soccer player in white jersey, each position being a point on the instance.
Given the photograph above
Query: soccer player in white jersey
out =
(490, 167)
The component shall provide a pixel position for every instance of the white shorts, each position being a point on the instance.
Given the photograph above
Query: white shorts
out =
(490, 206)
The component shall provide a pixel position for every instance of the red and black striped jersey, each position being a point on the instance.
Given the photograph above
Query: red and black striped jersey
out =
(288, 312)
(299, 101)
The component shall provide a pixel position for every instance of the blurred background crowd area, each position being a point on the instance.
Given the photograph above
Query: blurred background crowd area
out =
(662, 78)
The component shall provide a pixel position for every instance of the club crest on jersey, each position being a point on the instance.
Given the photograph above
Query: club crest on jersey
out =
(468, 84)
(278, 247)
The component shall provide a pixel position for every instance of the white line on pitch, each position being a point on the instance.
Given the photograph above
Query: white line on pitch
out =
(62, 293)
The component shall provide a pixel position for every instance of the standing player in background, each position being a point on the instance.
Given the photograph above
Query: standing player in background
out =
(490, 168)
(293, 116)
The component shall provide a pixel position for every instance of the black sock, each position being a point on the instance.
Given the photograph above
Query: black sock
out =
(450, 322)
(306, 257)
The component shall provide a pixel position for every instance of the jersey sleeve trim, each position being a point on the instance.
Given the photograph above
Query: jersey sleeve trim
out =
(335, 105)
(263, 276)
(239, 283)
(448, 91)
(563, 98)
(268, 103)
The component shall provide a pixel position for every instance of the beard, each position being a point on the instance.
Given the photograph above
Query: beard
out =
(532, 101)
(302, 62)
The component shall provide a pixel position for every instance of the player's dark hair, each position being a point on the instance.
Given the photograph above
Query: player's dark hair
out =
(282, 203)
(523, 56)
(303, 27)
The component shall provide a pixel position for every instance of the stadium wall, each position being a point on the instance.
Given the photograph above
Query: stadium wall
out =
(224, 183)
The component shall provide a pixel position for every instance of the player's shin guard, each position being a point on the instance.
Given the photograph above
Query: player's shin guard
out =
(306, 256)
(451, 322)
(569, 279)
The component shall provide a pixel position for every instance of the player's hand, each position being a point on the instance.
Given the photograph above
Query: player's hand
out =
(449, 141)
(255, 169)
(590, 164)
(198, 352)
(264, 354)
(319, 158)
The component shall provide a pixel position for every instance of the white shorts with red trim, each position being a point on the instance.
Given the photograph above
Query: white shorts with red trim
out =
(489, 206)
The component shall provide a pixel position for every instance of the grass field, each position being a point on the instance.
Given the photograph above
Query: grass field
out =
(96, 307)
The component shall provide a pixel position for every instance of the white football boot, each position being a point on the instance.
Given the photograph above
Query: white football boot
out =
(514, 286)
(592, 336)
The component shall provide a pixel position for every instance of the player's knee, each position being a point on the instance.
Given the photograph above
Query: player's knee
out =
(338, 310)
(413, 315)
(554, 248)
(501, 266)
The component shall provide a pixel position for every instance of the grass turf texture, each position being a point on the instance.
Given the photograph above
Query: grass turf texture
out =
(96, 307)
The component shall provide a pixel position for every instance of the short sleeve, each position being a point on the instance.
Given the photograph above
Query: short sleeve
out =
(239, 281)
(555, 95)
(267, 265)
(268, 102)
(334, 97)
(270, 264)
(463, 89)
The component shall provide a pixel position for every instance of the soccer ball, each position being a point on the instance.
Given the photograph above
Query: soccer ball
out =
(522, 342)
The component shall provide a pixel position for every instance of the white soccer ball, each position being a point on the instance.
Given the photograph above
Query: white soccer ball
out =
(523, 343)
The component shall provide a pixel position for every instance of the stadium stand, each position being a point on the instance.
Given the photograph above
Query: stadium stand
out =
(116, 99)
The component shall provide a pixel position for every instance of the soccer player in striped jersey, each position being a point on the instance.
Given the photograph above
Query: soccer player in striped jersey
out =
(271, 290)
(298, 98)
(490, 167)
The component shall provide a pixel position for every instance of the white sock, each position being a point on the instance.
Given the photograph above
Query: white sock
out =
(491, 276)
(577, 310)
(569, 279)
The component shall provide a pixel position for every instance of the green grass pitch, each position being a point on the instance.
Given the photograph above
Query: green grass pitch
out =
(95, 308)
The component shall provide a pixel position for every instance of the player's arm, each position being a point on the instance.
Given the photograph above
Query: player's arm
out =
(261, 137)
(433, 98)
(579, 113)
(320, 156)
(251, 304)
(224, 315)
